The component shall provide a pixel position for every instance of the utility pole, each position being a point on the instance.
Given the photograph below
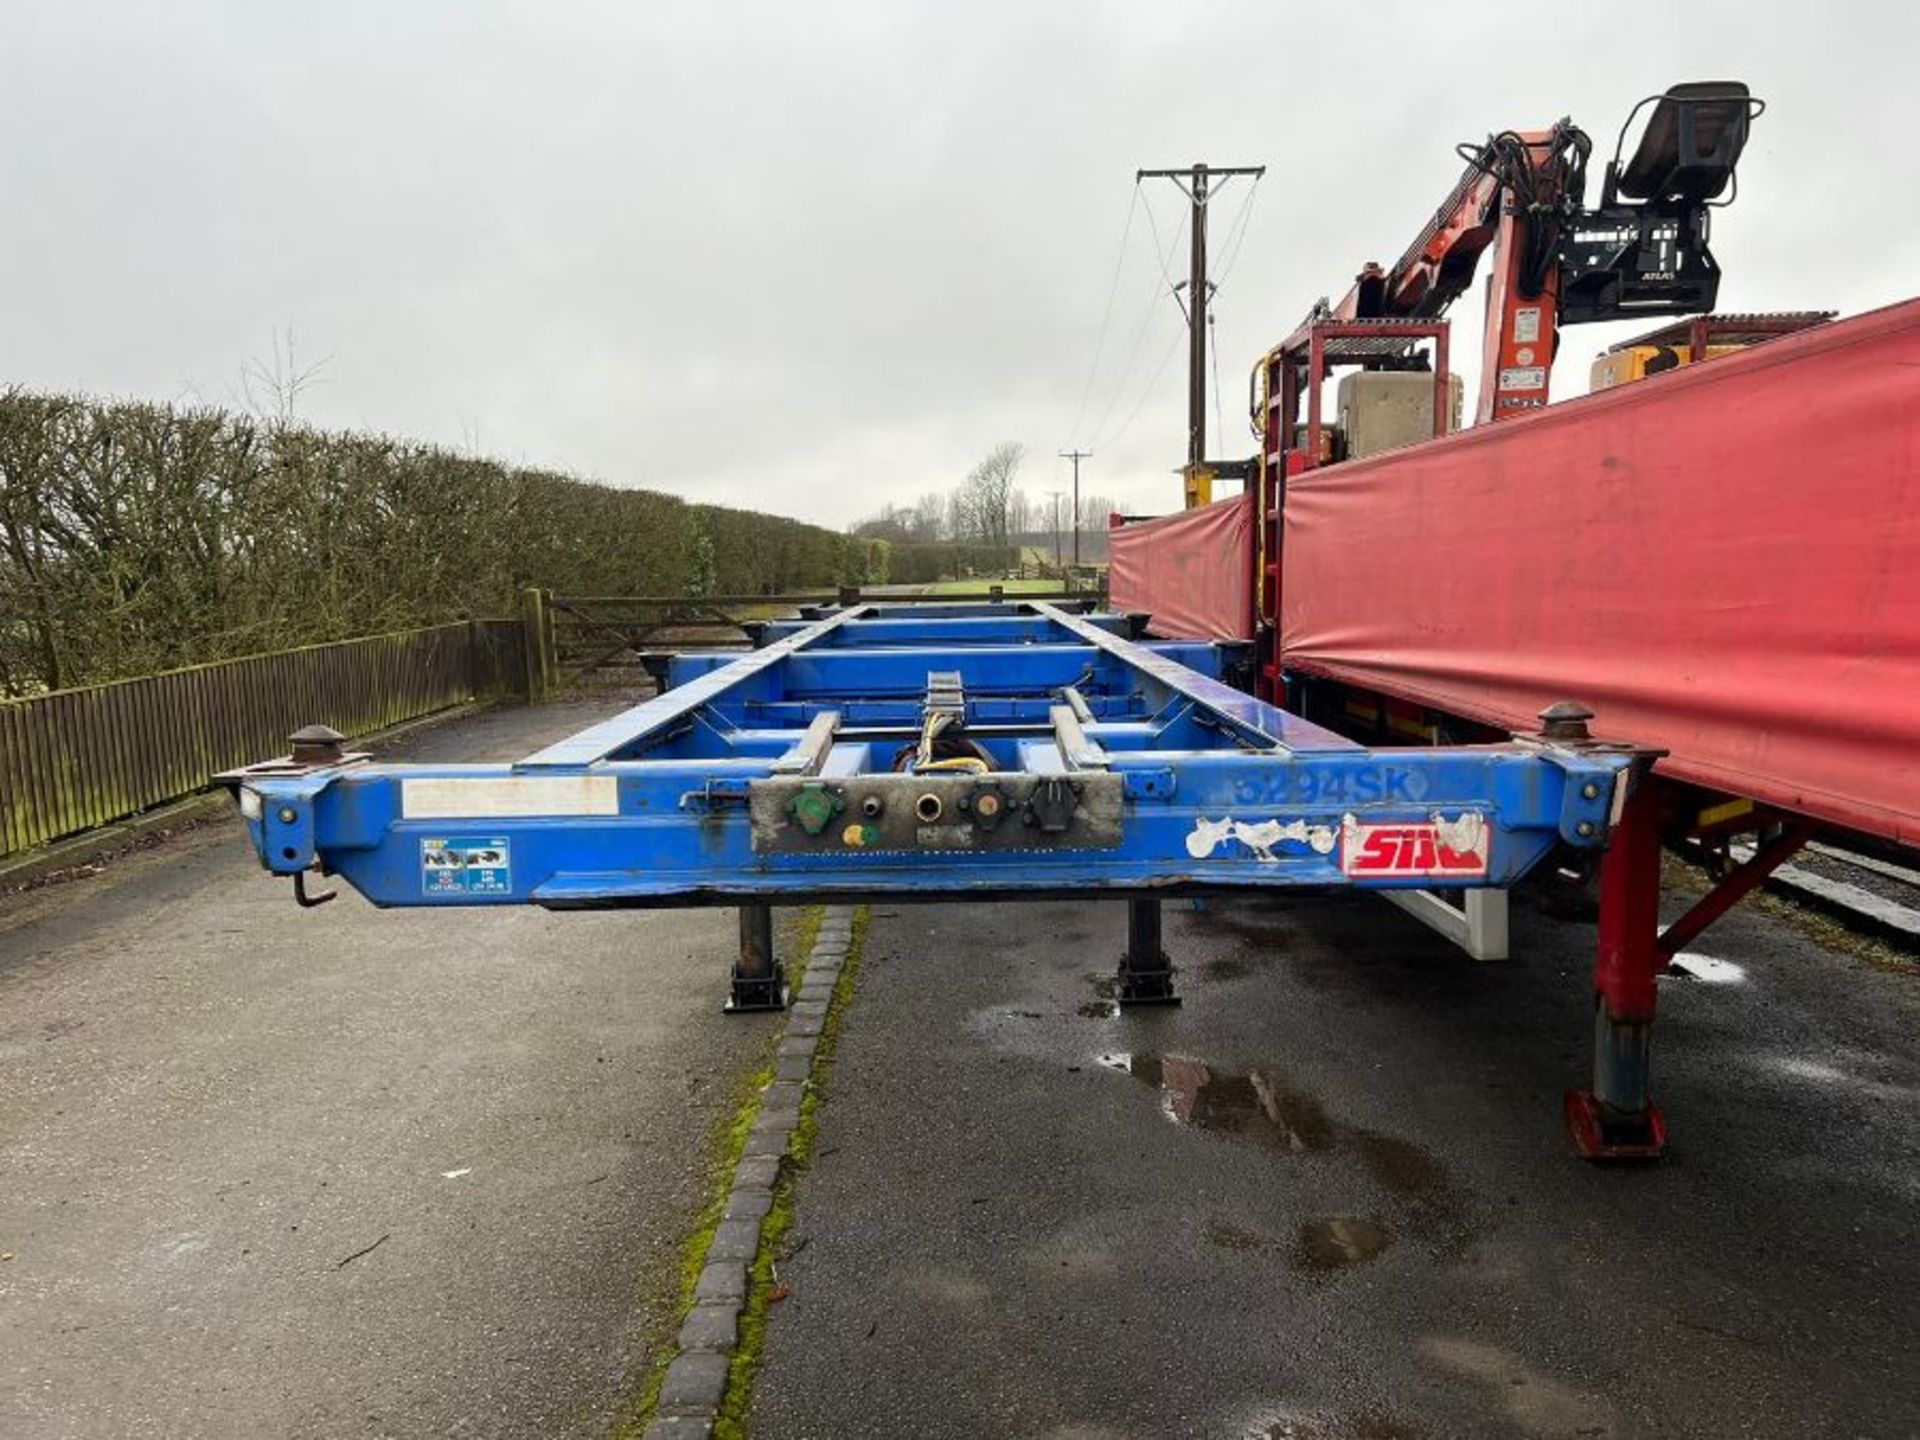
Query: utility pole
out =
(1197, 181)
(1076, 456)
(1056, 496)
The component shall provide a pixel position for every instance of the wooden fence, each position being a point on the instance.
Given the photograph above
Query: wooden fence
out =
(74, 759)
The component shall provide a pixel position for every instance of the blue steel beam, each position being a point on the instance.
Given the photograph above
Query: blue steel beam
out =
(1251, 718)
(1005, 629)
(1030, 665)
(630, 727)
(707, 793)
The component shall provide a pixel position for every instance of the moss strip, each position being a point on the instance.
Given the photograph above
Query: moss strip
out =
(731, 1423)
(725, 1147)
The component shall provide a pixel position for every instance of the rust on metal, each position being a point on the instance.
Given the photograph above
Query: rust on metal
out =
(316, 745)
(1565, 720)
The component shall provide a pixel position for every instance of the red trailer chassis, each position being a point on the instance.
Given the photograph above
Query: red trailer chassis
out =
(1721, 563)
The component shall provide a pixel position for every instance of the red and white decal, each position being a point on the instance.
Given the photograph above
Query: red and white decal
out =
(1435, 848)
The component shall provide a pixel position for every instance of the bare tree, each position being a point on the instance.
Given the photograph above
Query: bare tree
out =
(988, 492)
(892, 523)
(1020, 513)
(271, 388)
(959, 522)
(930, 517)
(1094, 510)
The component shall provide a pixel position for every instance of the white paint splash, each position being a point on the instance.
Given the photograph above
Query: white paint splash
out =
(1466, 835)
(456, 1174)
(1208, 835)
(1707, 968)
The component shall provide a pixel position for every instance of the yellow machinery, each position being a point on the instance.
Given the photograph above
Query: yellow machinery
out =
(1686, 342)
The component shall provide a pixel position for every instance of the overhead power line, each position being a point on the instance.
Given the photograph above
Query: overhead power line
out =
(1162, 255)
(1106, 312)
(1237, 232)
(1165, 286)
(1198, 182)
(1166, 356)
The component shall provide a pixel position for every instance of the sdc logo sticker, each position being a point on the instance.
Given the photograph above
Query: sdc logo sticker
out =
(470, 865)
(1431, 848)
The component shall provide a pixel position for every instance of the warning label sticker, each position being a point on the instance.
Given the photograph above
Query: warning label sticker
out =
(467, 866)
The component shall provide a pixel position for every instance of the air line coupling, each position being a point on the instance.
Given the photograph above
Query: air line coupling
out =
(814, 807)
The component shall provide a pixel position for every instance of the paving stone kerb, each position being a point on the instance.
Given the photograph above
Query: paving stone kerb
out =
(756, 1172)
(696, 1383)
(735, 1240)
(721, 1281)
(680, 1427)
(710, 1327)
(748, 1202)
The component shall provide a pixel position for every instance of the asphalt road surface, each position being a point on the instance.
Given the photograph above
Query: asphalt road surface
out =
(345, 1172)
(1330, 1197)
(266, 1171)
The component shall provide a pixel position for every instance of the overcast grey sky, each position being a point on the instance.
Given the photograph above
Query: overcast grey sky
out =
(814, 257)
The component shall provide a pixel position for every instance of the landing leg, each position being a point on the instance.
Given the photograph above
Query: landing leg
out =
(1146, 975)
(1617, 1119)
(758, 982)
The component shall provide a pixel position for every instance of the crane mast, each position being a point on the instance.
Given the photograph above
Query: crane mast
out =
(1553, 261)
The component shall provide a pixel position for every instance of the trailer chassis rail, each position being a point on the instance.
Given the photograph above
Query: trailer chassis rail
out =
(1009, 750)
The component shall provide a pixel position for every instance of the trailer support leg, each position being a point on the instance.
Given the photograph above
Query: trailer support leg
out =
(1782, 847)
(1617, 1119)
(759, 984)
(1146, 975)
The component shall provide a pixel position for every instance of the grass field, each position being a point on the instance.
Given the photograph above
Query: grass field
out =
(980, 587)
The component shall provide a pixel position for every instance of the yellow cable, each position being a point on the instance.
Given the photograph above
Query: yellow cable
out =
(968, 763)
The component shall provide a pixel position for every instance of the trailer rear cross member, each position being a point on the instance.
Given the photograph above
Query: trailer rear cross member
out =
(932, 751)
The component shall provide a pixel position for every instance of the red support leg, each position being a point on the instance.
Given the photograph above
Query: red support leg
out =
(1617, 1119)
(1735, 888)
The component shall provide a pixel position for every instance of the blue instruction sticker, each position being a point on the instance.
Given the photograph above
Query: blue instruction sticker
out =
(459, 865)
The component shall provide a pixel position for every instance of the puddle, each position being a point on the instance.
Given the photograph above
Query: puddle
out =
(1098, 1010)
(1705, 968)
(1254, 1107)
(1337, 1241)
(1259, 1107)
(1400, 1165)
(1232, 1237)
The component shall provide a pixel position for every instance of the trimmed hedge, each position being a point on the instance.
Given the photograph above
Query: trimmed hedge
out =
(136, 537)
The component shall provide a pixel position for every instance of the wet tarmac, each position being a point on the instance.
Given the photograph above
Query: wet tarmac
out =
(277, 1172)
(1329, 1196)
